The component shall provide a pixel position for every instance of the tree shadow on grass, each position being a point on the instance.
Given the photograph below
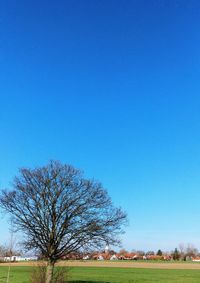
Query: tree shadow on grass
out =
(83, 281)
(3, 279)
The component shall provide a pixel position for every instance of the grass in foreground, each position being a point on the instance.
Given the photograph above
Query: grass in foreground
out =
(110, 275)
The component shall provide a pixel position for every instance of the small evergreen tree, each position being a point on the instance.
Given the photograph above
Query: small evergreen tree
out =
(176, 254)
(159, 252)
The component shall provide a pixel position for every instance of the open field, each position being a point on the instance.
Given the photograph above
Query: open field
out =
(133, 264)
(119, 264)
(111, 274)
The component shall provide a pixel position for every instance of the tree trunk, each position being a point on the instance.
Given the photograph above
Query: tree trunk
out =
(49, 272)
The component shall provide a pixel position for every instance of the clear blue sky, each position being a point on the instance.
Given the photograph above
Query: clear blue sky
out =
(113, 88)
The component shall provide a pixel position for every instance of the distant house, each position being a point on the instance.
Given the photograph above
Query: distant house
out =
(100, 257)
(167, 257)
(114, 257)
(196, 259)
(128, 256)
(72, 256)
(120, 256)
(19, 258)
(86, 257)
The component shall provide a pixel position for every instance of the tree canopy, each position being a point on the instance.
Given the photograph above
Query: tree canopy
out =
(59, 211)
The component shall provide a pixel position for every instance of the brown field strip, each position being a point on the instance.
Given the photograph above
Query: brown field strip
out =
(119, 264)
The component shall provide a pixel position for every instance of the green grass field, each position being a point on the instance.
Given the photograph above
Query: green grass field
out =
(111, 275)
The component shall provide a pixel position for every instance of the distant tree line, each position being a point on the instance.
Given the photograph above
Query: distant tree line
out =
(183, 252)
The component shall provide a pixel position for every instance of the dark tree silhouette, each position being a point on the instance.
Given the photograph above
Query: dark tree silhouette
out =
(159, 252)
(60, 212)
(176, 254)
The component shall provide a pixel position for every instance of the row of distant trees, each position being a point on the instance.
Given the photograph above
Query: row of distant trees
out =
(184, 252)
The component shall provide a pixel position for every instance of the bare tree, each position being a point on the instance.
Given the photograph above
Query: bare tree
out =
(3, 251)
(188, 251)
(60, 212)
(191, 250)
(150, 253)
(182, 250)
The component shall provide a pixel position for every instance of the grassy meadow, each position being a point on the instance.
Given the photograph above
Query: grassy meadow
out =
(21, 274)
